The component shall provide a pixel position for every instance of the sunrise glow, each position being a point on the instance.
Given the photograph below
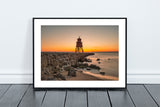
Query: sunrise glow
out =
(94, 38)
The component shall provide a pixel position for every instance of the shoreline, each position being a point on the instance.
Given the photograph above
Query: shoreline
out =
(60, 66)
(84, 75)
(99, 76)
(80, 76)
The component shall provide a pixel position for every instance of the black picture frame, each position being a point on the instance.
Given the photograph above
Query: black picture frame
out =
(39, 88)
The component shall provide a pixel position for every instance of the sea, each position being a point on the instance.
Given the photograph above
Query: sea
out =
(108, 62)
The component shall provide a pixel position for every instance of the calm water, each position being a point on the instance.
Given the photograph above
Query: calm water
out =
(108, 63)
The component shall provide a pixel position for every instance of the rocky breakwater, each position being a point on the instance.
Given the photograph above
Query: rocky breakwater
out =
(54, 64)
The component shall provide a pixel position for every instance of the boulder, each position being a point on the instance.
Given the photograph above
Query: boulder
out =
(61, 76)
(94, 67)
(72, 73)
(88, 68)
(102, 73)
(98, 59)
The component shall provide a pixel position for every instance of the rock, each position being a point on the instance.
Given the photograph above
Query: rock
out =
(68, 68)
(94, 67)
(50, 78)
(87, 60)
(85, 65)
(80, 71)
(43, 78)
(53, 63)
(54, 72)
(99, 62)
(61, 76)
(88, 68)
(74, 66)
(72, 73)
(81, 60)
(45, 73)
(102, 73)
(98, 59)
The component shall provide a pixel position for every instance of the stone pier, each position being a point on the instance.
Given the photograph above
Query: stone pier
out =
(54, 62)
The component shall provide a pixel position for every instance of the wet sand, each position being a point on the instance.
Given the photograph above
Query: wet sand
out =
(102, 77)
(83, 75)
(79, 76)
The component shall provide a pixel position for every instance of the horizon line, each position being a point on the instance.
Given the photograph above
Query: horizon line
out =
(80, 52)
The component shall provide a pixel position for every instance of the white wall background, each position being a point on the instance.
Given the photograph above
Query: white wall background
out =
(143, 33)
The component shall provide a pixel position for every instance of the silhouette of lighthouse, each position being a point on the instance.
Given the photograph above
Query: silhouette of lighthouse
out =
(79, 46)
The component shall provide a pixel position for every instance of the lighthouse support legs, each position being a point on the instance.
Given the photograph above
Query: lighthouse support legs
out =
(79, 49)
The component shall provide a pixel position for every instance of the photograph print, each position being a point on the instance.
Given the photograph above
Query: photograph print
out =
(79, 53)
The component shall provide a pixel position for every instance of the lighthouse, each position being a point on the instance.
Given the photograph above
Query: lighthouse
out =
(79, 46)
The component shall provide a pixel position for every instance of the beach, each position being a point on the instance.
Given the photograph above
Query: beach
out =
(70, 66)
(82, 75)
(107, 61)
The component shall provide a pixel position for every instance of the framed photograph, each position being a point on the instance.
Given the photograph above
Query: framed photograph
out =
(79, 52)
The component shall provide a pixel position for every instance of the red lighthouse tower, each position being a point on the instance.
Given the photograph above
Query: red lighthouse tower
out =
(79, 46)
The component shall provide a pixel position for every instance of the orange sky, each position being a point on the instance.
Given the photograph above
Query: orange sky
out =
(94, 38)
